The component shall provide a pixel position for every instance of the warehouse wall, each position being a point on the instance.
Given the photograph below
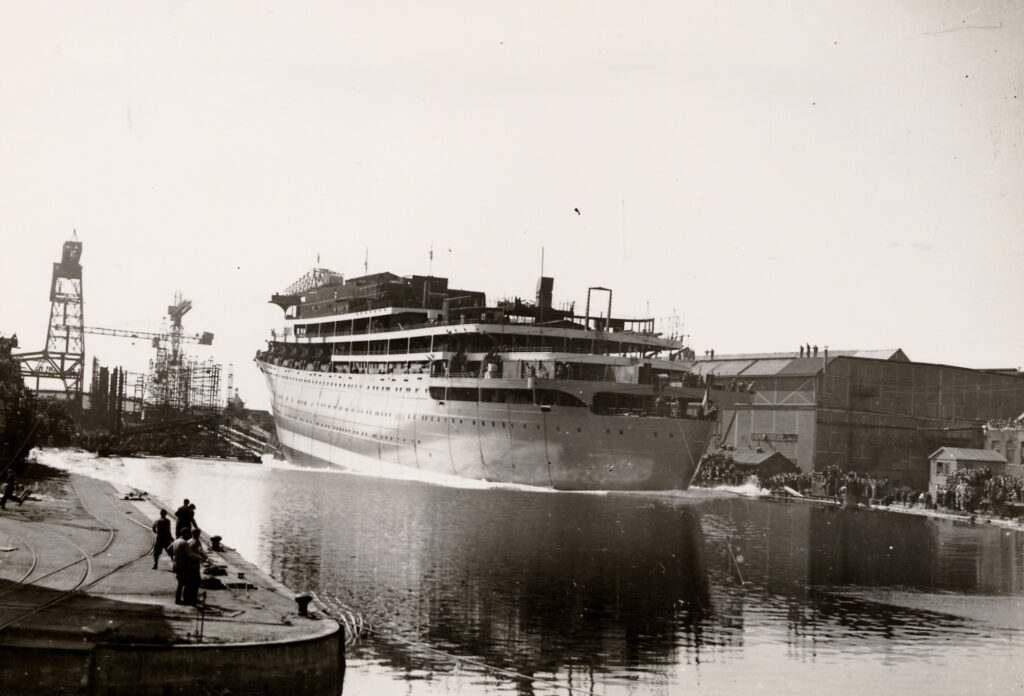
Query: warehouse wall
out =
(875, 416)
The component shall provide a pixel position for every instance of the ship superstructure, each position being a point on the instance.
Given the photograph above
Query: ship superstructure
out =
(412, 372)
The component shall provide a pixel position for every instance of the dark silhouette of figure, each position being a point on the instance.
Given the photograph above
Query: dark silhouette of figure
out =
(186, 516)
(162, 527)
(196, 556)
(9, 485)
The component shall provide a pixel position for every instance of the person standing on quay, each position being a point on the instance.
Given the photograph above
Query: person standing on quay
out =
(179, 557)
(9, 486)
(196, 555)
(186, 516)
(162, 527)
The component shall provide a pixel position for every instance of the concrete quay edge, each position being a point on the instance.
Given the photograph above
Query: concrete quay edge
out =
(66, 648)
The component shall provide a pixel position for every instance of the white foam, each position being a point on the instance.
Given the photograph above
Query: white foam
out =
(747, 489)
(78, 461)
(118, 470)
(358, 465)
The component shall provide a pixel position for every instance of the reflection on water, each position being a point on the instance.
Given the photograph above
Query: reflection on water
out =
(529, 582)
(618, 593)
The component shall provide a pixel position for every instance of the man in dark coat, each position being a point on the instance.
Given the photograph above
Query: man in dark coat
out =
(186, 516)
(162, 527)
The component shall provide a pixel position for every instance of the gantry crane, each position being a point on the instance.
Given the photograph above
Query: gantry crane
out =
(64, 355)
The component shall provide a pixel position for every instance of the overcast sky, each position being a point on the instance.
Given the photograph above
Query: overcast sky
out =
(848, 174)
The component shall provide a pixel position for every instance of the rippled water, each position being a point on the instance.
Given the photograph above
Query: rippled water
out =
(476, 589)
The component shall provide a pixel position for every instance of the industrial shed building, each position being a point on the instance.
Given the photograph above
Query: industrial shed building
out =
(763, 462)
(946, 460)
(868, 411)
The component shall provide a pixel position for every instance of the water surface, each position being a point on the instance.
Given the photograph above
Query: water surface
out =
(479, 589)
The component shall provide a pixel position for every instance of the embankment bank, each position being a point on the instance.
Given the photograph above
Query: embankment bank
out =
(82, 611)
(975, 518)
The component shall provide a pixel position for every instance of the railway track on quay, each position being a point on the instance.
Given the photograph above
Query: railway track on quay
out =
(61, 564)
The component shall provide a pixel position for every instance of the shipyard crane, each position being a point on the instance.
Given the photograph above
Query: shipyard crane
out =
(170, 374)
(203, 339)
(175, 312)
(64, 355)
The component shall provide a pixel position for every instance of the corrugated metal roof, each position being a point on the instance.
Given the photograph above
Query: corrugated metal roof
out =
(753, 457)
(879, 354)
(721, 368)
(970, 455)
(768, 367)
(791, 364)
(803, 366)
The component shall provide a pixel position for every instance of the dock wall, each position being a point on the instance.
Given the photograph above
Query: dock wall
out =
(313, 667)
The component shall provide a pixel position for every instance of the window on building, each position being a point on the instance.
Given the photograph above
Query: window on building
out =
(994, 445)
(938, 468)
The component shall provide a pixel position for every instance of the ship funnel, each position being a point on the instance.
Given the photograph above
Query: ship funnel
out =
(544, 286)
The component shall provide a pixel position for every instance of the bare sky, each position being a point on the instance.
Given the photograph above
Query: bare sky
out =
(848, 174)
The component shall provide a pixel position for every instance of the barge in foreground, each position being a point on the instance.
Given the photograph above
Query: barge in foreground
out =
(411, 372)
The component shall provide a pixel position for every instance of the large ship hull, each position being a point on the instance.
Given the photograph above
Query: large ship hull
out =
(323, 417)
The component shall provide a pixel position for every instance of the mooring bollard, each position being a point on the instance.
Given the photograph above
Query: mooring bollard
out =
(215, 542)
(303, 601)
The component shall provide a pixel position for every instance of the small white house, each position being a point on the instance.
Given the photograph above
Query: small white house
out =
(946, 460)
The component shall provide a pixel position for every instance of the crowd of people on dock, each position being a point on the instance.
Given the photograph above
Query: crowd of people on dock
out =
(185, 549)
(717, 470)
(968, 490)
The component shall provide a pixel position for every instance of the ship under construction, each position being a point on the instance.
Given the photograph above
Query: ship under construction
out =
(410, 372)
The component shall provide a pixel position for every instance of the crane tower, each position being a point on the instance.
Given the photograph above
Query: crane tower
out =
(64, 356)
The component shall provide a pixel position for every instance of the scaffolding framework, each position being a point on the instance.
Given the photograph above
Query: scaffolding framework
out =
(183, 384)
(314, 278)
(177, 381)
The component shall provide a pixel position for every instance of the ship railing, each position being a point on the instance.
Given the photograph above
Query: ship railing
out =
(405, 327)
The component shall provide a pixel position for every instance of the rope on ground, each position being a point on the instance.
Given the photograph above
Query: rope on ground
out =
(336, 607)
